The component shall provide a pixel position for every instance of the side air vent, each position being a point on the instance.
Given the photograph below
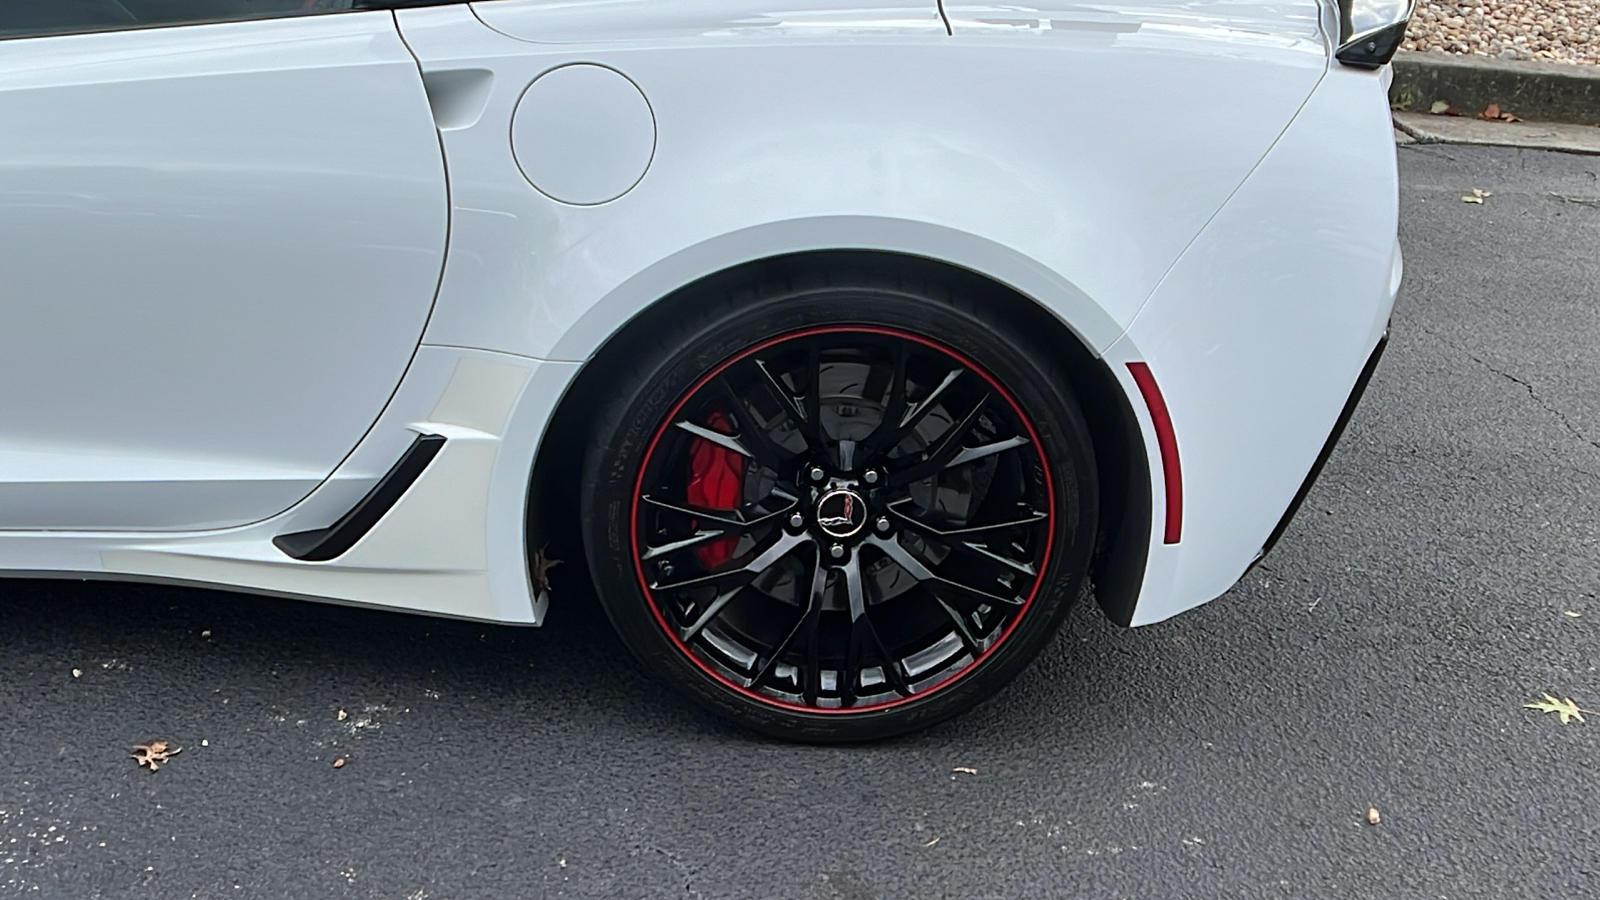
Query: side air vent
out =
(327, 543)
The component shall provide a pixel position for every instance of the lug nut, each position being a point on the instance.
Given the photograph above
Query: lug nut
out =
(882, 524)
(836, 551)
(817, 474)
(871, 476)
(795, 521)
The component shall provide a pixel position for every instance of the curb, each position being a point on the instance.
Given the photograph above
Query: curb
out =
(1421, 128)
(1534, 90)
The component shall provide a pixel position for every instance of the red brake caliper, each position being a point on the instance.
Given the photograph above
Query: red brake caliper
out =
(716, 481)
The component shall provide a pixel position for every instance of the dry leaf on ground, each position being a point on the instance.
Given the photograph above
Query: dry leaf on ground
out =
(541, 570)
(154, 754)
(1443, 108)
(1373, 817)
(1493, 113)
(338, 763)
(965, 770)
(1566, 709)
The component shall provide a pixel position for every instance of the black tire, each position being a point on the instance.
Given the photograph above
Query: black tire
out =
(825, 329)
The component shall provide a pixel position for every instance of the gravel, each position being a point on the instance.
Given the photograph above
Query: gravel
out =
(1558, 30)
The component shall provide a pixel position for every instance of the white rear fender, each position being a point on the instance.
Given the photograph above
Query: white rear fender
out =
(1259, 334)
(894, 138)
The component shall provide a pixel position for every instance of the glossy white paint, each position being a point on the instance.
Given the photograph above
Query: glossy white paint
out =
(653, 23)
(452, 546)
(220, 244)
(583, 134)
(768, 143)
(1259, 333)
(1132, 166)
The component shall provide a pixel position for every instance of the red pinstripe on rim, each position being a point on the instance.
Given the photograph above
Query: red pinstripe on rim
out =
(661, 430)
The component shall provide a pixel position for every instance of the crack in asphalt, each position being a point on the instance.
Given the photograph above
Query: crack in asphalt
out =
(1542, 403)
(682, 868)
(1525, 385)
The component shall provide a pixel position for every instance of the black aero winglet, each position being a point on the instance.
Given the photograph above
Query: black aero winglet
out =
(326, 543)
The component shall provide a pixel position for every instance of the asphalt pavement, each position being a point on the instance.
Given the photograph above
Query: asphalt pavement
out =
(1442, 574)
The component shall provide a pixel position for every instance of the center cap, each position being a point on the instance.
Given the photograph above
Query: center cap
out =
(841, 513)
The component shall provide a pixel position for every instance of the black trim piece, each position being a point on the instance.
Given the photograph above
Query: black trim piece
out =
(1119, 572)
(1373, 49)
(1327, 448)
(324, 544)
(403, 4)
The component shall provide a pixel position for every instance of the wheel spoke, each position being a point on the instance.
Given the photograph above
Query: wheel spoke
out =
(968, 454)
(759, 444)
(811, 674)
(949, 445)
(942, 587)
(864, 641)
(711, 611)
(715, 437)
(1031, 518)
(786, 400)
(699, 537)
(985, 552)
(746, 573)
(955, 538)
(901, 420)
(807, 625)
(728, 518)
(915, 414)
(962, 628)
(890, 428)
(812, 400)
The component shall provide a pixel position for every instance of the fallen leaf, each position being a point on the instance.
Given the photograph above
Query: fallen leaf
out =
(1480, 192)
(338, 763)
(1439, 106)
(154, 753)
(206, 633)
(541, 570)
(1584, 201)
(1469, 198)
(965, 770)
(1493, 113)
(931, 843)
(1566, 709)
(1372, 816)
(343, 715)
(1571, 614)
(77, 673)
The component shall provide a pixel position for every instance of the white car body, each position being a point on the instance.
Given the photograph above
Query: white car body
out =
(246, 264)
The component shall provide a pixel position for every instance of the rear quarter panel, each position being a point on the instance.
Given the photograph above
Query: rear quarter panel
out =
(1074, 163)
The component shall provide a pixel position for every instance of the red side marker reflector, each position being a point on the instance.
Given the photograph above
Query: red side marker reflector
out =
(1167, 441)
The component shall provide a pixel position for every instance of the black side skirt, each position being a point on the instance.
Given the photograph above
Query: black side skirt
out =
(326, 543)
(1327, 448)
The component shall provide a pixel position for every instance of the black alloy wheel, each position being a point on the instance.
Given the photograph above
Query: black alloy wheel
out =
(831, 524)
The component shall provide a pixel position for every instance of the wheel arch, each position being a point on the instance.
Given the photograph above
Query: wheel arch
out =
(1118, 564)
